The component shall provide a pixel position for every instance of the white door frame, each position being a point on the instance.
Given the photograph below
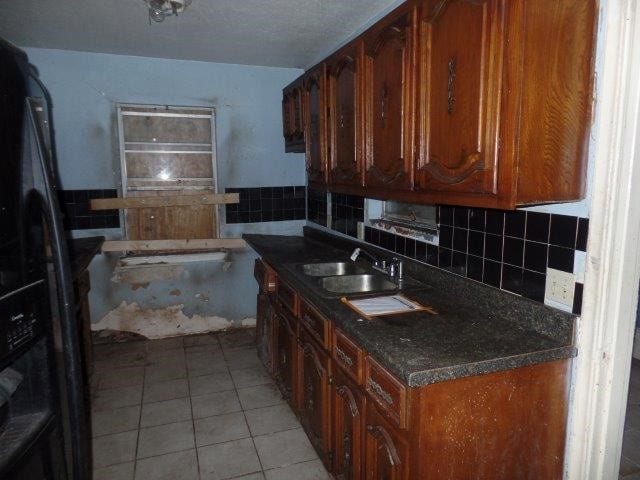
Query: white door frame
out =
(605, 331)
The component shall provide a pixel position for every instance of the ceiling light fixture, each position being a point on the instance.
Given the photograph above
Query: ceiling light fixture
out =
(160, 9)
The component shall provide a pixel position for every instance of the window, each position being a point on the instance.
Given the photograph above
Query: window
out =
(417, 217)
(168, 151)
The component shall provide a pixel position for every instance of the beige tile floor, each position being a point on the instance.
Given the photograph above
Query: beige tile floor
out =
(193, 408)
(630, 461)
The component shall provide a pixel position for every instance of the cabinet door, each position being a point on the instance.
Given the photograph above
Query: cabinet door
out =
(348, 423)
(264, 332)
(388, 108)
(286, 355)
(314, 91)
(297, 112)
(345, 153)
(287, 124)
(460, 73)
(386, 450)
(314, 396)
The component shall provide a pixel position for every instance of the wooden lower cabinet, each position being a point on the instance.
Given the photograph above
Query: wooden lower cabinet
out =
(314, 406)
(386, 449)
(348, 403)
(285, 363)
(369, 425)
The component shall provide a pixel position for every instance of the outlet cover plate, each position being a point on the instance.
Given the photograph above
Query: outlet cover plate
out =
(559, 288)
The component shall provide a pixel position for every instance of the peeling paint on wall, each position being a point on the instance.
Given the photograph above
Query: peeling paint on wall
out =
(160, 323)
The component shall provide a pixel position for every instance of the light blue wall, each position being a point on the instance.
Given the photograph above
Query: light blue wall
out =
(85, 88)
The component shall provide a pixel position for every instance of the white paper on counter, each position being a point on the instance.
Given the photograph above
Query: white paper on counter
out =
(386, 305)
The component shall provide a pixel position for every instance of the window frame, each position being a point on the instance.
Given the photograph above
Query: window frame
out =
(208, 111)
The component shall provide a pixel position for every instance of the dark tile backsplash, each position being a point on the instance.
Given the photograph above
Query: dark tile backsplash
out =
(77, 213)
(346, 212)
(317, 206)
(510, 250)
(267, 204)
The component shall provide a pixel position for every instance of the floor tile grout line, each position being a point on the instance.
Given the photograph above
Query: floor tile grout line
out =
(193, 424)
(253, 442)
(135, 455)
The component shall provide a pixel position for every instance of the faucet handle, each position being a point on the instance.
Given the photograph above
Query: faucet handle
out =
(355, 254)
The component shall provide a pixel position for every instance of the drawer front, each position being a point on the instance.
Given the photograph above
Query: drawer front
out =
(349, 356)
(265, 276)
(315, 323)
(388, 393)
(288, 297)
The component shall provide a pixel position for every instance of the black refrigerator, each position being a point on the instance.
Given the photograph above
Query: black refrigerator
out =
(43, 422)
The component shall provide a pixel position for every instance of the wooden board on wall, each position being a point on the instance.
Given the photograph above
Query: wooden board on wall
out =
(172, 245)
(158, 223)
(152, 199)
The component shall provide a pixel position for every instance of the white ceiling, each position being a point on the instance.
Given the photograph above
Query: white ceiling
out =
(282, 33)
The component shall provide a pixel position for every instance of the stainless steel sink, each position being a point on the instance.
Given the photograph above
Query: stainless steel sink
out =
(329, 269)
(366, 283)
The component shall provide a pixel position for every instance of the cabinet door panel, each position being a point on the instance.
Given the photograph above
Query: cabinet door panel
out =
(286, 356)
(343, 76)
(314, 395)
(264, 332)
(315, 126)
(386, 451)
(460, 78)
(388, 105)
(348, 423)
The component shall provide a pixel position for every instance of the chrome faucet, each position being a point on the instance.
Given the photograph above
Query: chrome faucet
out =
(394, 269)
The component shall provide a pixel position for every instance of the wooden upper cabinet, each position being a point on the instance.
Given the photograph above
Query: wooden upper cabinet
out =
(315, 126)
(345, 155)
(460, 60)
(293, 117)
(483, 103)
(388, 101)
(504, 101)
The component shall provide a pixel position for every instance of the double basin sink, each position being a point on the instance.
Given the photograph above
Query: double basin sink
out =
(346, 278)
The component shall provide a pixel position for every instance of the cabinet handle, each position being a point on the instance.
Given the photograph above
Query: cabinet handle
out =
(451, 98)
(381, 434)
(345, 393)
(344, 357)
(377, 389)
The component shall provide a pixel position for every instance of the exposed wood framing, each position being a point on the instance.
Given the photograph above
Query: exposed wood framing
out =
(172, 245)
(168, 201)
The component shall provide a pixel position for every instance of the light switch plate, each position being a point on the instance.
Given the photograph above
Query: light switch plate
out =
(559, 289)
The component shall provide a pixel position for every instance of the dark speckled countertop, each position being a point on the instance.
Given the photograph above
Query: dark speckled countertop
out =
(477, 329)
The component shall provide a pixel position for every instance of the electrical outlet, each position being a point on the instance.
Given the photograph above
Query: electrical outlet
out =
(559, 289)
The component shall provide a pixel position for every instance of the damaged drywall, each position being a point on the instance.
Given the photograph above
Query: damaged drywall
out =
(163, 322)
(167, 299)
